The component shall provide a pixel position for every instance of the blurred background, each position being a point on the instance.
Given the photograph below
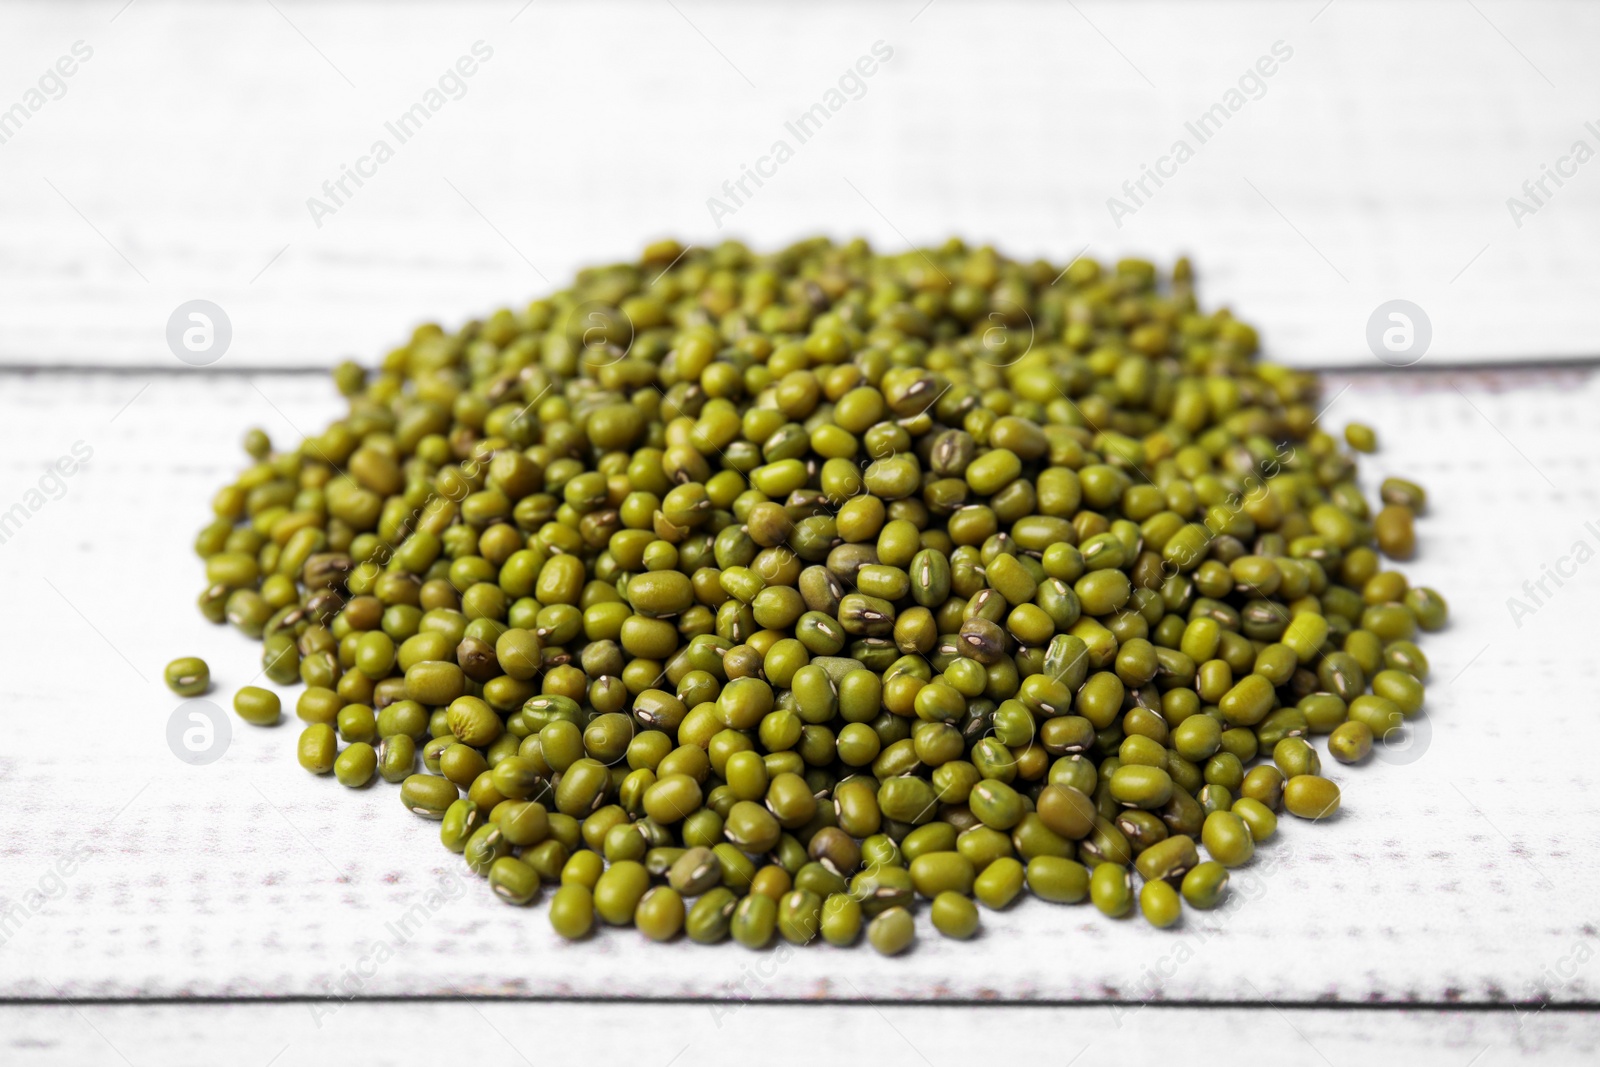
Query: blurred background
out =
(330, 174)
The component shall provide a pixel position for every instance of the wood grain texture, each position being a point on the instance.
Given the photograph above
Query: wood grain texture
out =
(1375, 162)
(661, 1035)
(1464, 876)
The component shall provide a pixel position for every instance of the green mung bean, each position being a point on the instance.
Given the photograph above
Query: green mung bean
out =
(1160, 904)
(1203, 886)
(257, 706)
(572, 911)
(188, 676)
(768, 595)
(892, 931)
(1361, 437)
(355, 766)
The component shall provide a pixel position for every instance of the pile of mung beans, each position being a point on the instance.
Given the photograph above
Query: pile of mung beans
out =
(766, 596)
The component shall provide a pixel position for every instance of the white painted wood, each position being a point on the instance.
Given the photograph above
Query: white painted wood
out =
(177, 165)
(1377, 162)
(656, 1035)
(1467, 875)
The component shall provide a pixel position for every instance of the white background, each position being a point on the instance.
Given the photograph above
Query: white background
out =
(1377, 165)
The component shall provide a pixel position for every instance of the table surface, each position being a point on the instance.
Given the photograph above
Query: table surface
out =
(1462, 870)
(1448, 911)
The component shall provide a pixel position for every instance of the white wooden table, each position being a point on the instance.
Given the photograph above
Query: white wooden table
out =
(245, 910)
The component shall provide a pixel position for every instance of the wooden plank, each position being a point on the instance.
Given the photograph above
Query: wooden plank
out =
(1460, 876)
(178, 165)
(514, 1035)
